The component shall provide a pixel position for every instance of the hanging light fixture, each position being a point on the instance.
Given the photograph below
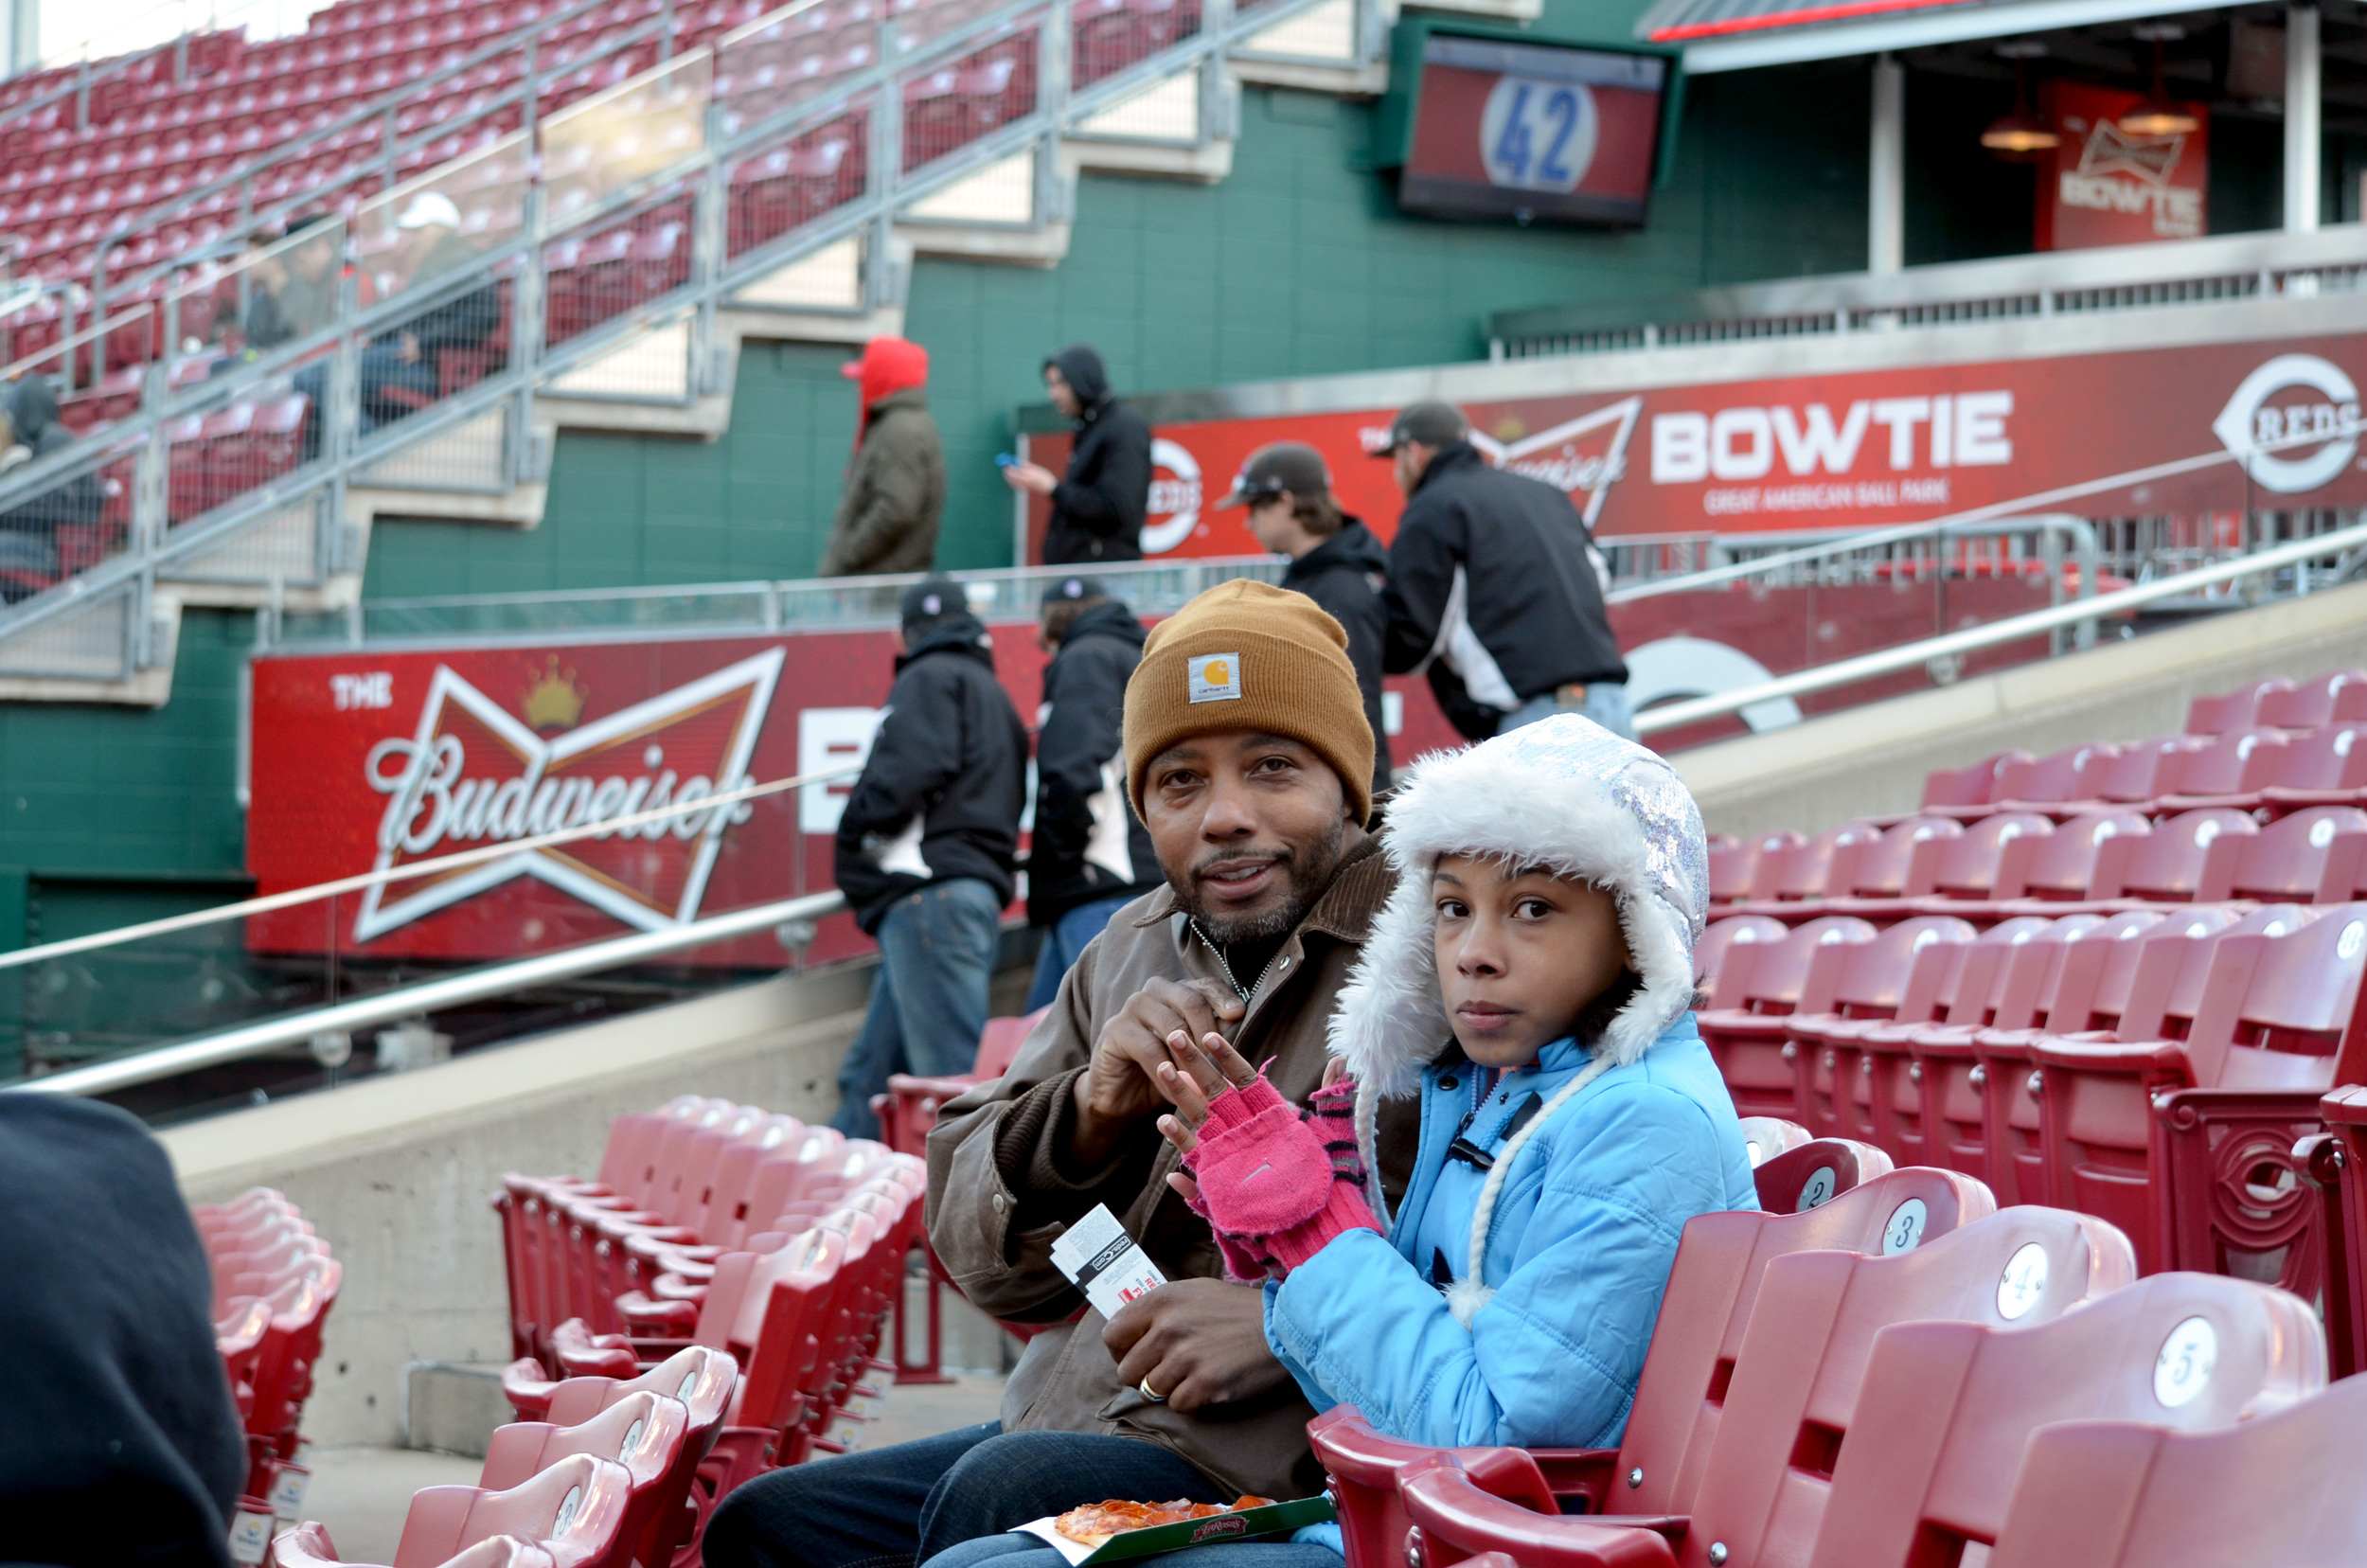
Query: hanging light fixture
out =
(2019, 136)
(2158, 113)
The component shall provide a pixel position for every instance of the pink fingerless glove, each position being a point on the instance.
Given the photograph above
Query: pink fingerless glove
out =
(1274, 1187)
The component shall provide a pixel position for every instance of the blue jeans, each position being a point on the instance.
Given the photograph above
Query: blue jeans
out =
(1063, 940)
(894, 1506)
(929, 1002)
(1606, 703)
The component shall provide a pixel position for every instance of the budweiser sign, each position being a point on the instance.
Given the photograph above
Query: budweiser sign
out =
(472, 774)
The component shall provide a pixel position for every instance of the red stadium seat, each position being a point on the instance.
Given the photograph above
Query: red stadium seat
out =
(576, 1510)
(1764, 1137)
(1791, 1401)
(309, 1546)
(1978, 785)
(2167, 864)
(1709, 954)
(1967, 865)
(2236, 710)
(2313, 856)
(2061, 865)
(2335, 1162)
(1952, 1406)
(1899, 973)
(647, 1434)
(2285, 1490)
(2313, 704)
(1810, 1175)
(1681, 1396)
(1747, 1037)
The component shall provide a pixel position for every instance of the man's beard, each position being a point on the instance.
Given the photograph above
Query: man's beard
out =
(1305, 875)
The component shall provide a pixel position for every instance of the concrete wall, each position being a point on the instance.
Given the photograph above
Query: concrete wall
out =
(1870, 760)
(397, 1172)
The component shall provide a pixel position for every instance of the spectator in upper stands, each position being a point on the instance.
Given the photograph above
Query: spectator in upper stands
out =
(1491, 590)
(404, 362)
(292, 289)
(1248, 757)
(927, 849)
(1091, 854)
(887, 514)
(32, 410)
(121, 1444)
(1335, 561)
(1098, 507)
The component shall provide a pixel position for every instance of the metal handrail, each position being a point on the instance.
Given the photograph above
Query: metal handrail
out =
(255, 1039)
(409, 871)
(1962, 523)
(1907, 656)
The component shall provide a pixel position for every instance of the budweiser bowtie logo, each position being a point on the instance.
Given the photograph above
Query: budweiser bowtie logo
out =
(474, 773)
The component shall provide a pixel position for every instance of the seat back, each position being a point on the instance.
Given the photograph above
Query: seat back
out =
(1764, 855)
(2062, 864)
(2310, 856)
(805, 1162)
(1777, 981)
(1814, 1173)
(2166, 864)
(2033, 968)
(769, 1322)
(1966, 864)
(1879, 869)
(700, 1379)
(723, 1218)
(2233, 710)
(1970, 995)
(1793, 1402)
(2166, 989)
(1716, 966)
(2067, 774)
(2331, 756)
(2099, 962)
(1948, 1409)
(1714, 1287)
(1806, 870)
(575, 1510)
(2285, 1491)
(1978, 785)
(2278, 1010)
(692, 1182)
(1732, 861)
(1764, 1137)
(1873, 977)
(2231, 762)
(644, 1432)
(2312, 703)
(2135, 774)
(1000, 1041)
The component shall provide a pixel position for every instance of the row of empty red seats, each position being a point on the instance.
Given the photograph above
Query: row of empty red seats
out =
(1907, 1375)
(605, 1478)
(273, 1285)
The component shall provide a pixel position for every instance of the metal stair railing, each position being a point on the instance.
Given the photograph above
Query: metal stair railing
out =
(167, 497)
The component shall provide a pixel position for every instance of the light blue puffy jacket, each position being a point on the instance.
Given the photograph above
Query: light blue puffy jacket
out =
(1579, 1245)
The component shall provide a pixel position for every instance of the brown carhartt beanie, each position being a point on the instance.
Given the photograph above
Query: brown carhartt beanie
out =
(1247, 655)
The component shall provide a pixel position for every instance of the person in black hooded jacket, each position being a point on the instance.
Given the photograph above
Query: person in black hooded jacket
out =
(927, 849)
(1091, 854)
(1335, 561)
(1492, 592)
(121, 1444)
(1098, 507)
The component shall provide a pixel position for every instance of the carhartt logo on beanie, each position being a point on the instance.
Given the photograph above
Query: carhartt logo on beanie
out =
(1249, 656)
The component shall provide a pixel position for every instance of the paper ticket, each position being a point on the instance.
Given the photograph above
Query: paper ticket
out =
(1102, 1261)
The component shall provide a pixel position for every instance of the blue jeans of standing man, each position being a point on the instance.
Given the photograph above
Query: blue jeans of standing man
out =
(1063, 940)
(896, 1506)
(929, 1002)
(1606, 703)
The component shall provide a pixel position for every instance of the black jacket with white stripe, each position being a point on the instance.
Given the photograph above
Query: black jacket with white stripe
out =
(1491, 594)
(1088, 842)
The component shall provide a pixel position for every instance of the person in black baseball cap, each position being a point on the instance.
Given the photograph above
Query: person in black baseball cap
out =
(927, 849)
(1335, 561)
(1492, 590)
(1090, 855)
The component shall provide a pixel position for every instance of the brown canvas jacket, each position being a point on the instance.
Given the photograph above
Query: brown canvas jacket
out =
(998, 1195)
(888, 515)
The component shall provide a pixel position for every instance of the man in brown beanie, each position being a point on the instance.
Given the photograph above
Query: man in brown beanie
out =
(1248, 756)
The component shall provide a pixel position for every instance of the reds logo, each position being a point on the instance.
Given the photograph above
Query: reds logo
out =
(472, 773)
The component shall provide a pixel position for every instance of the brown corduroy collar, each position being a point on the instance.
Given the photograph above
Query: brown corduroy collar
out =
(1358, 891)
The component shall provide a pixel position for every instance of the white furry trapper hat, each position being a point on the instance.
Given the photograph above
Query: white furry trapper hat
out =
(1569, 796)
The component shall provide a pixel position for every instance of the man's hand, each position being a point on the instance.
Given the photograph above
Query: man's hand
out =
(1122, 1087)
(1198, 1342)
(1031, 477)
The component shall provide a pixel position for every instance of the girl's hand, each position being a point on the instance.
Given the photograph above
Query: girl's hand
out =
(1197, 1075)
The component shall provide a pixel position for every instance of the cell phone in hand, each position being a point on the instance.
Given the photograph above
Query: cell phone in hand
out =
(1003, 459)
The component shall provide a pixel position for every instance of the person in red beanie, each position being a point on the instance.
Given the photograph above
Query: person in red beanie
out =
(887, 516)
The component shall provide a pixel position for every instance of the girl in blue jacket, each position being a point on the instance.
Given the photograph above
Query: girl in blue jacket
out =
(1532, 980)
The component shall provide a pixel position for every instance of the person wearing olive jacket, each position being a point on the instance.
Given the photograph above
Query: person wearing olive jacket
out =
(887, 514)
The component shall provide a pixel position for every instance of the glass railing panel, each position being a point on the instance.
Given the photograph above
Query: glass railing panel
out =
(806, 177)
(948, 107)
(596, 149)
(450, 336)
(240, 430)
(607, 269)
(1107, 36)
(58, 526)
(221, 311)
(425, 231)
(781, 62)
